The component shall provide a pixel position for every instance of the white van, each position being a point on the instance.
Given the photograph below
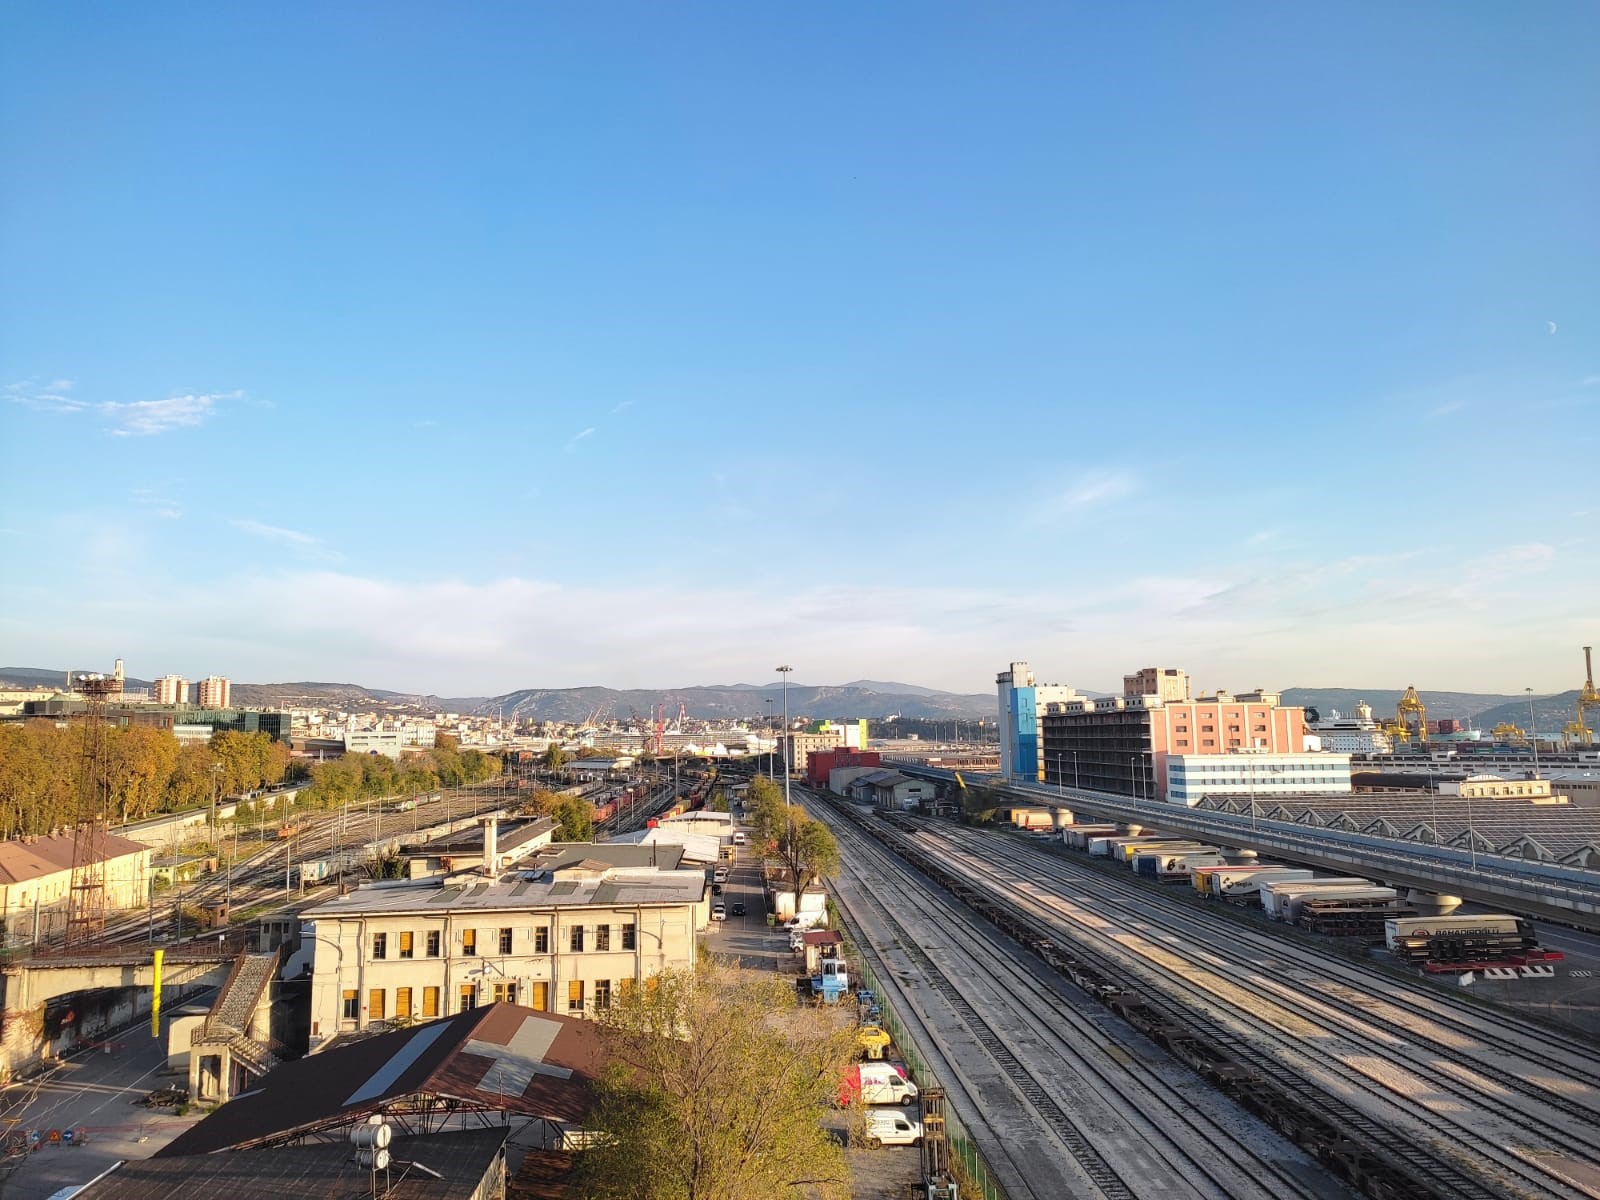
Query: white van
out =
(892, 1129)
(877, 1083)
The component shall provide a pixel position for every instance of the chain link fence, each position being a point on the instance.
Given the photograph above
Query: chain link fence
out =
(966, 1160)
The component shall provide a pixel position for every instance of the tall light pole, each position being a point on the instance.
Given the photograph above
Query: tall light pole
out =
(785, 672)
(772, 743)
(1533, 732)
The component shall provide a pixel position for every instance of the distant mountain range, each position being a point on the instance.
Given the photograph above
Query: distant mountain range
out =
(869, 698)
(863, 698)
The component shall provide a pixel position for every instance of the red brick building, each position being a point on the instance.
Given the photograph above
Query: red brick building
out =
(820, 762)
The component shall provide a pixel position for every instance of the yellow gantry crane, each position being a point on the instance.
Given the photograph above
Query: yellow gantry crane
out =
(1588, 701)
(1410, 719)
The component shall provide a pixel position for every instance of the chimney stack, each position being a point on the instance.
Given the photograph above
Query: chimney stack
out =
(491, 848)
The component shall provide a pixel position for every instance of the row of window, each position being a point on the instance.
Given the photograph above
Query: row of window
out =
(408, 1004)
(406, 941)
(1213, 728)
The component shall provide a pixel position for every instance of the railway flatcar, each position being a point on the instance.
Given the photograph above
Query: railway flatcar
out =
(1461, 943)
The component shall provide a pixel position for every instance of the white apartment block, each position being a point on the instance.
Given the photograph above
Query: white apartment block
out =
(1193, 777)
(390, 954)
(172, 689)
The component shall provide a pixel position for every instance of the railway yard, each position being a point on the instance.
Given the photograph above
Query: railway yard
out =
(1098, 1039)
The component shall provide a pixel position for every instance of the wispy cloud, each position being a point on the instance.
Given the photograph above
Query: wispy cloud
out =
(1447, 408)
(276, 533)
(143, 418)
(572, 443)
(162, 506)
(1589, 381)
(55, 396)
(622, 407)
(1093, 488)
(1510, 562)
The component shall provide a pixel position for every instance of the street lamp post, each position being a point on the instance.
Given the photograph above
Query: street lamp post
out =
(785, 671)
(772, 743)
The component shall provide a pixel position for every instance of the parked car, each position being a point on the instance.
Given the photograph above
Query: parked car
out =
(720, 875)
(738, 908)
(719, 912)
(716, 889)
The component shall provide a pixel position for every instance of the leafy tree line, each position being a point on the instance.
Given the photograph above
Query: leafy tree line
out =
(149, 772)
(355, 777)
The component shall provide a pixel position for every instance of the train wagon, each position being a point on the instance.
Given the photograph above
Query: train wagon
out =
(1459, 943)
(1293, 903)
(1275, 894)
(1351, 918)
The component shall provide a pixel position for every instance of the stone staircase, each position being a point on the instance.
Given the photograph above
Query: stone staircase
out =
(229, 1021)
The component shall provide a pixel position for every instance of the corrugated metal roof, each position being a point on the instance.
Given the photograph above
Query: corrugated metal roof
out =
(469, 1057)
(462, 1157)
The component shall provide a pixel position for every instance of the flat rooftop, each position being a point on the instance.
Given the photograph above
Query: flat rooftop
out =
(619, 887)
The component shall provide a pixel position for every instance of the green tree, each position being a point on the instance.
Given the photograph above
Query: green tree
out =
(574, 819)
(808, 850)
(766, 812)
(716, 1088)
(554, 757)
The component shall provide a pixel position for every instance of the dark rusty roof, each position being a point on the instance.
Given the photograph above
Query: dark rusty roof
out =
(311, 1172)
(500, 1057)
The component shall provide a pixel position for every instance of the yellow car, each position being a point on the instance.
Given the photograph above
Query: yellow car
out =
(873, 1041)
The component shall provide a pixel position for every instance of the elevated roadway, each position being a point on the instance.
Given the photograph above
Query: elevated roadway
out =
(1554, 893)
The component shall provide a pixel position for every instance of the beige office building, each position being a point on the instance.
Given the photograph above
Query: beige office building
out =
(390, 954)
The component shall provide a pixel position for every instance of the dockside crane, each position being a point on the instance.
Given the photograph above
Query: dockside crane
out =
(1411, 714)
(1588, 700)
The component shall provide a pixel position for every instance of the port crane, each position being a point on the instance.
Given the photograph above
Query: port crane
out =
(1410, 719)
(1579, 733)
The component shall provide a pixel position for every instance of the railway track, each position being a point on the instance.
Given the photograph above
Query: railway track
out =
(1130, 1125)
(1429, 1094)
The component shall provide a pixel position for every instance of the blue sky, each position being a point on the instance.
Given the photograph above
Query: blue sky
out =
(646, 345)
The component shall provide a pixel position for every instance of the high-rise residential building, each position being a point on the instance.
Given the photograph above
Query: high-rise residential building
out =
(1022, 707)
(172, 689)
(213, 692)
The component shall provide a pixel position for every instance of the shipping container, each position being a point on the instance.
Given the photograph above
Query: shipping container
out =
(1109, 845)
(1170, 868)
(1077, 836)
(1125, 853)
(1243, 884)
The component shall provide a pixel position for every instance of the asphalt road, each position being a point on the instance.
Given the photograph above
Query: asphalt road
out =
(93, 1090)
